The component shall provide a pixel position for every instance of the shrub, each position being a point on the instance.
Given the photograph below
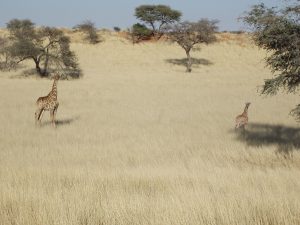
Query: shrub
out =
(90, 31)
(117, 29)
(140, 32)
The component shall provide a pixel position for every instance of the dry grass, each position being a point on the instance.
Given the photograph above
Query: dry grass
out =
(139, 141)
(243, 39)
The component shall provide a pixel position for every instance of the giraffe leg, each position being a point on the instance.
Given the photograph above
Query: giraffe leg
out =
(243, 128)
(52, 117)
(55, 110)
(54, 113)
(41, 115)
(38, 115)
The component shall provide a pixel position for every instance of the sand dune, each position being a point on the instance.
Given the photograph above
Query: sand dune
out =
(139, 141)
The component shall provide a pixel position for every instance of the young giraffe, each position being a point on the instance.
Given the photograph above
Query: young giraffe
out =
(48, 103)
(242, 120)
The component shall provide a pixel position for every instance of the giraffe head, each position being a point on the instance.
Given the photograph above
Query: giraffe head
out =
(56, 76)
(247, 104)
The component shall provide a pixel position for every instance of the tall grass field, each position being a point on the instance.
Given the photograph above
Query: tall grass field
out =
(140, 142)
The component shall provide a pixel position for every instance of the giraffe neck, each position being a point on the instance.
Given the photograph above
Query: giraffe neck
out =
(245, 110)
(53, 92)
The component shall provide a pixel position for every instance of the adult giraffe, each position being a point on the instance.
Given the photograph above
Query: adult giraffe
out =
(48, 103)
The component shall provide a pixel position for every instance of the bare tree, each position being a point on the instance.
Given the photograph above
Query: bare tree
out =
(188, 34)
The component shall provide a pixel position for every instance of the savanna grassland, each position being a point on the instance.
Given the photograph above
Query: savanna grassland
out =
(139, 141)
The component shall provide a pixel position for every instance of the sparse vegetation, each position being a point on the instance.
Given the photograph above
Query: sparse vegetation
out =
(278, 32)
(188, 34)
(90, 31)
(236, 32)
(47, 47)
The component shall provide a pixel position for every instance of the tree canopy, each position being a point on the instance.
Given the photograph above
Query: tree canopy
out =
(278, 32)
(46, 47)
(157, 16)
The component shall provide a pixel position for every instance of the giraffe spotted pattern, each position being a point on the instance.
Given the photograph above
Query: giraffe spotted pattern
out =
(48, 103)
(242, 120)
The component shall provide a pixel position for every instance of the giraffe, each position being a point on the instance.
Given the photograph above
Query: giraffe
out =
(242, 120)
(48, 103)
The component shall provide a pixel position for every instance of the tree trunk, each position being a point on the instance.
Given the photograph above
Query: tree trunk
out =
(189, 62)
(45, 70)
(38, 68)
(153, 27)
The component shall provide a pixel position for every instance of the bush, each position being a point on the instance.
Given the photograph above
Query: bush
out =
(140, 32)
(117, 29)
(90, 31)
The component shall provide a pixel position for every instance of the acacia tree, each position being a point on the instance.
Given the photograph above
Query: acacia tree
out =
(157, 16)
(90, 30)
(45, 46)
(278, 32)
(188, 34)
